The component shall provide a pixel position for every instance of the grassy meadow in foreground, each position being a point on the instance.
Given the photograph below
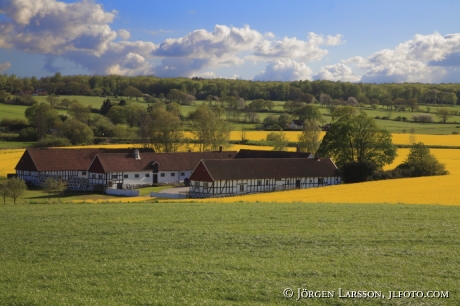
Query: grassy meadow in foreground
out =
(225, 254)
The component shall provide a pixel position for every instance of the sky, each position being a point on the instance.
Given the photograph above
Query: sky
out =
(381, 41)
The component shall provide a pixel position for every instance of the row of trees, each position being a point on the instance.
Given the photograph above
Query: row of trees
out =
(134, 87)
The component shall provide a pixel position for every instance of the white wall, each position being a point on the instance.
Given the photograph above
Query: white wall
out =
(251, 186)
(141, 180)
(178, 176)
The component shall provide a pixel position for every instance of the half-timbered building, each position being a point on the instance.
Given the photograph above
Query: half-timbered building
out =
(217, 178)
(134, 170)
(70, 165)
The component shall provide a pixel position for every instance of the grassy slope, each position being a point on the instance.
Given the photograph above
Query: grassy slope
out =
(221, 254)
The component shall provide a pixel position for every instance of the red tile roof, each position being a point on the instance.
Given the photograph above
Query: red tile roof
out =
(263, 168)
(244, 153)
(60, 159)
(116, 162)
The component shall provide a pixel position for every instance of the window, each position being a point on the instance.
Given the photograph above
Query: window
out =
(114, 176)
(197, 185)
(287, 182)
(182, 174)
(125, 176)
(242, 188)
(136, 175)
(266, 182)
(320, 180)
(173, 174)
(259, 182)
(162, 174)
(147, 175)
(83, 173)
(93, 175)
(100, 176)
(205, 185)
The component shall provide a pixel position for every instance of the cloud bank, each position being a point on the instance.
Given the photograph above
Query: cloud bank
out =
(81, 32)
(430, 58)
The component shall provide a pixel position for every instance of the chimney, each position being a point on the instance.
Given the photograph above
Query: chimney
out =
(220, 149)
(136, 154)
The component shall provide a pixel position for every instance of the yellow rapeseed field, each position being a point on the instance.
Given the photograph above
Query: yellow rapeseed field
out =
(431, 140)
(399, 139)
(9, 160)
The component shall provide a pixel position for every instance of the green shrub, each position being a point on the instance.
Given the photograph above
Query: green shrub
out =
(53, 141)
(28, 134)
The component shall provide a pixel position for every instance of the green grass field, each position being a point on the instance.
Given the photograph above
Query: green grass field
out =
(225, 254)
(453, 125)
(95, 102)
(37, 196)
(12, 111)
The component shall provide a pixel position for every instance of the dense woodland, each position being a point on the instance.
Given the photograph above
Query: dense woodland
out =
(115, 85)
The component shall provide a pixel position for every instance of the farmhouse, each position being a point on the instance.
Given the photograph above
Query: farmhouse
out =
(71, 165)
(217, 178)
(133, 170)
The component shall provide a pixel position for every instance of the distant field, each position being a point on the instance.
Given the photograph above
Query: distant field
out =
(12, 111)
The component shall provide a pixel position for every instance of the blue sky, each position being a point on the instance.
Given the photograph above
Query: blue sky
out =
(355, 41)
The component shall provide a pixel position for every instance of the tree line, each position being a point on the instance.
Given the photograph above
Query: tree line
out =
(201, 89)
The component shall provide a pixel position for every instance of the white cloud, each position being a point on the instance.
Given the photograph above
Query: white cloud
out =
(80, 32)
(223, 41)
(293, 48)
(126, 58)
(208, 75)
(200, 49)
(337, 72)
(52, 27)
(4, 66)
(284, 70)
(425, 58)
(124, 34)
